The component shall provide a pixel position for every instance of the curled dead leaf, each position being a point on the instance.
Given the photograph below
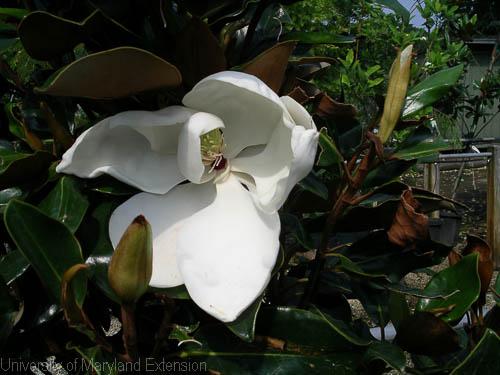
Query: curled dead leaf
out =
(270, 65)
(485, 265)
(326, 107)
(408, 225)
(454, 257)
(299, 95)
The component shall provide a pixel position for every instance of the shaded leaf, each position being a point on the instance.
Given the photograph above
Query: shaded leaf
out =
(439, 337)
(198, 52)
(8, 194)
(93, 235)
(46, 243)
(61, 35)
(270, 65)
(19, 168)
(329, 153)
(66, 203)
(12, 265)
(386, 172)
(313, 184)
(463, 277)
(114, 73)
(483, 359)
(313, 329)
(8, 313)
(390, 354)
(399, 310)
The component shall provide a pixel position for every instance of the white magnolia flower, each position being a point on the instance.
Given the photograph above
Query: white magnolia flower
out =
(242, 149)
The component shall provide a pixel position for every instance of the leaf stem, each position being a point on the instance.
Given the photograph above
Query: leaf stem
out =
(129, 331)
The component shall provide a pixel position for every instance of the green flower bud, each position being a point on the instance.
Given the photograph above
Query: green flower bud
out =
(131, 265)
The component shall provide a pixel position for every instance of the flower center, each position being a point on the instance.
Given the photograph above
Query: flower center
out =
(212, 150)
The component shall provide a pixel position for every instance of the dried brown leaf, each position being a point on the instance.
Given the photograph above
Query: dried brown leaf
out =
(408, 225)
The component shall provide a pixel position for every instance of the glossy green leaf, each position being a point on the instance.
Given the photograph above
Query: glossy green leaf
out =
(314, 185)
(114, 73)
(66, 203)
(227, 354)
(462, 276)
(13, 265)
(341, 328)
(313, 329)
(346, 265)
(183, 333)
(19, 168)
(46, 243)
(319, 38)
(386, 172)
(329, 153)
(431, 90)
(395, 6)
(391, 354)
(244, 326)
(93, 235)
(484, 358)
(422, 293)
(420, 143)
(8, 194)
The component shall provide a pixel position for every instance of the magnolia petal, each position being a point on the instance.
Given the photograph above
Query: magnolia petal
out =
(136, 147)
(249, 109)
(286, 160)
(298, 113)
(189, 150)
(226, 252)
(167, 214)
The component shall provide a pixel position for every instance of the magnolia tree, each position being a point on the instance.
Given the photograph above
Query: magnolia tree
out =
(171, 170)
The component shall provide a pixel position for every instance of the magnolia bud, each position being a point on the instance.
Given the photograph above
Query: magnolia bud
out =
(399, 77)
(131, 265)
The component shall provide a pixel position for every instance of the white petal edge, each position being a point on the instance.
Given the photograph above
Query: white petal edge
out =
(136, 147)
(167, 214)
(298, 113)
(226, 252)
(189, 151)
(286, 160)
(249, 109)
